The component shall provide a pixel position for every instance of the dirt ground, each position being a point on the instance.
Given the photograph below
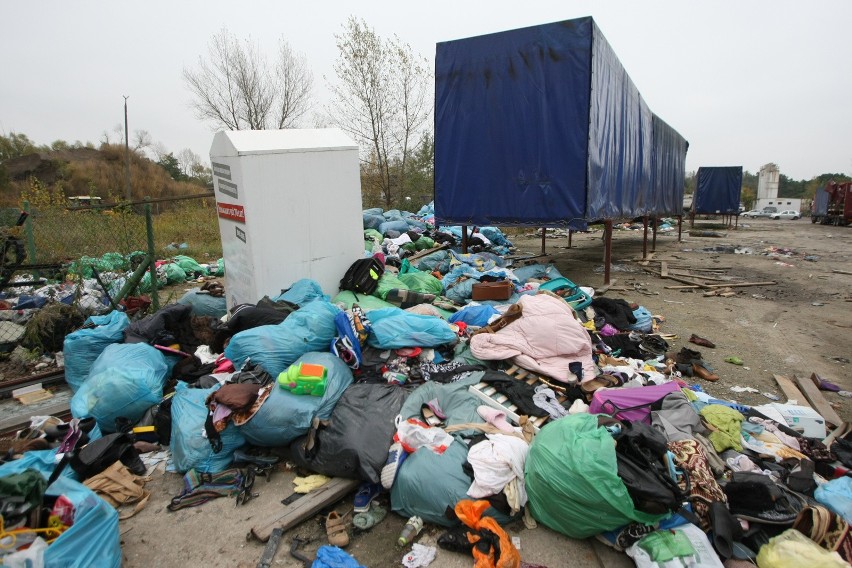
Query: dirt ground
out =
(798, 326)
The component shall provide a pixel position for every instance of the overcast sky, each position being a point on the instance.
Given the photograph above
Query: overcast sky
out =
(745, 82)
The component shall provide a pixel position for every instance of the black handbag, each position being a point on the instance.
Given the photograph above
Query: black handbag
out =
(99, 454)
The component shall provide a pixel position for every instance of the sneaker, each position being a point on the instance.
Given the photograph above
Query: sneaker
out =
(396, 455)
(365, 495)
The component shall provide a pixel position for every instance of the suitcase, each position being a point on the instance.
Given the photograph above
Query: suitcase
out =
(492, 290)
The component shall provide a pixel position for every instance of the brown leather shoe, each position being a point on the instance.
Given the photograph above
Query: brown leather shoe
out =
(700, 370)
(701, 341)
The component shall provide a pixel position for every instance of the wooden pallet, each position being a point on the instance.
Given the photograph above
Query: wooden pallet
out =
(489, 395)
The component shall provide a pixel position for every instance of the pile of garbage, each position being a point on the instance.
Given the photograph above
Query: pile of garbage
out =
(37, 318)
(472, 388)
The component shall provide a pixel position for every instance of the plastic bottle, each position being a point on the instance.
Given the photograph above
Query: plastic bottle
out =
(412, 529)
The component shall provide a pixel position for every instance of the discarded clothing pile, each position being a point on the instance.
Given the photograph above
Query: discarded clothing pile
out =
(540, 402)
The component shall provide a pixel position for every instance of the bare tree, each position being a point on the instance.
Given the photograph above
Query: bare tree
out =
(380, 98)
(236, 88)
(188, 160)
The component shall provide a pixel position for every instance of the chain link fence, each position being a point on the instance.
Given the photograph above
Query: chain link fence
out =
(61, 264)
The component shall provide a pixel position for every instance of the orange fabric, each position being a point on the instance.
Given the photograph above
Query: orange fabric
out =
(470, 513)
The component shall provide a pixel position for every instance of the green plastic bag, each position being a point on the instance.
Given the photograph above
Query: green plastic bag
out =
(373, 235)
(174, 273)
(220, 271)
(422, 282)
(572, 482)
(189, 265)
(366, 303)
(424, 243)
(388, 282)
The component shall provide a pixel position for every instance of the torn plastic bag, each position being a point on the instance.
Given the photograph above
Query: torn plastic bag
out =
(285, 416)
(93, 539)
(276, 347)
(428, 483)
(360, 431)
(571, 470)
(83, 347)
(394, 328)
(124, 381)
(189, 443)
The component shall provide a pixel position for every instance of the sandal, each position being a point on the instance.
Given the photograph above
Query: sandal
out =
(599, 382)
(336, 530)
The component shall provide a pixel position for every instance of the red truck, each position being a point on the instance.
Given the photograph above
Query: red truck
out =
(833, 204)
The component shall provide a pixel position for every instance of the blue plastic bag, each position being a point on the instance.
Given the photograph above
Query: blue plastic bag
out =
(285, 416)
(333, 557)
(837, 496)
(190, 446)
(401, 226)
(394, 328)
(372, 221)
(524, 273)
(474, 315)
(124, 381)
(83, 347)
(93, 539)
(302, 292)
(276, 347)
(644, 321)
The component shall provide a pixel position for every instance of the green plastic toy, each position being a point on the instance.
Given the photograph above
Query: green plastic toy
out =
(304, 378)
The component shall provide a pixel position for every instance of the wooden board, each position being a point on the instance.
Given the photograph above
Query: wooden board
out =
(790, 390)
(818, 401)
(303, 508)
(34, 396)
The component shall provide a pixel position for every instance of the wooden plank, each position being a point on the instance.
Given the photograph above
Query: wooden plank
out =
(742, 284)
(664, 269)
(790, 390)
(427, 252)
(818, 401)
(303, 508)
(838, 271)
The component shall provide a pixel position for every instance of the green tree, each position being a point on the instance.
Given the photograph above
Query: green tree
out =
(15, 145)
(420, 181)
(172, 166)
(381, 99)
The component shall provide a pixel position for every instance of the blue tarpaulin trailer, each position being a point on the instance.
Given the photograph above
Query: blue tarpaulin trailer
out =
(542, 126)
(717, 190)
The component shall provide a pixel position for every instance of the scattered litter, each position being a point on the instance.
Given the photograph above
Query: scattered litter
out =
(420, 556)
(734, 360)
(744, 250)
(817, 304)
(811, 258)
(847, 394)
(744, 389)
(784, 264)
(758, 296)
(771, 396)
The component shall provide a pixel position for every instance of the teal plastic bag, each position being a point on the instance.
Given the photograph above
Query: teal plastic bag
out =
(572, 481)
(427, 483)
(205, 304)
(125, 380)
(190, 447)
(276, 347)
(285, 416)
(84, 346)
(394, 328)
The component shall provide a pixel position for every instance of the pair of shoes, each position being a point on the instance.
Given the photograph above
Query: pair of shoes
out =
(684, 356)
(701, 341)
(703, 370)
(336, 530)
(396, 455)
(365, 495)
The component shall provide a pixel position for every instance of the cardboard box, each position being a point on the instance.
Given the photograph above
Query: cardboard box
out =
(802, 419)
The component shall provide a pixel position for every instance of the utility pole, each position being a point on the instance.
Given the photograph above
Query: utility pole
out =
(127, 149)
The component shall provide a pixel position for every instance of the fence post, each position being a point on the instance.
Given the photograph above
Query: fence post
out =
(149, 228)
(30, 236)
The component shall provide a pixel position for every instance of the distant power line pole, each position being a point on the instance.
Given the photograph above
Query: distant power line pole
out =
(127, 149)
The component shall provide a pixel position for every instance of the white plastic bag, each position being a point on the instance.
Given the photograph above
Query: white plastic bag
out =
(414, 434)
(704, 557)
